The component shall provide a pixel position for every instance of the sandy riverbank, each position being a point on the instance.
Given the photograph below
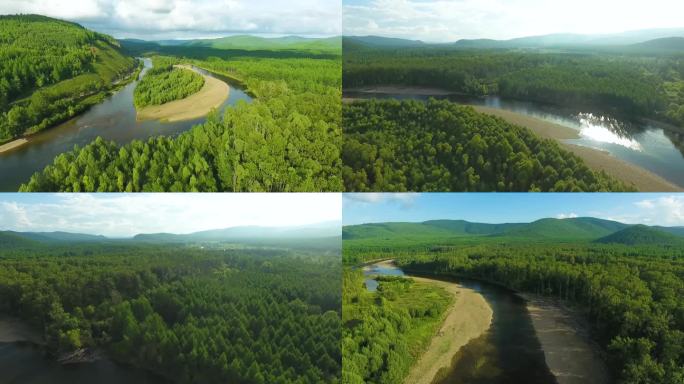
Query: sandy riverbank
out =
(212, 95)
(468, 318)
(640, 178)
(13, 330)
(569, 354)
(13, 145)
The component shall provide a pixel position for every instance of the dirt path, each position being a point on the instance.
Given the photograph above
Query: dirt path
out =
(640, 178)
(568, 352)
(12, 145)
(469, 317)
(212, 95)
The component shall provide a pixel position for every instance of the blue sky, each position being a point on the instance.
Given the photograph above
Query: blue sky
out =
(451, 20)
(650, 209)
(122, 215)
(170, 19)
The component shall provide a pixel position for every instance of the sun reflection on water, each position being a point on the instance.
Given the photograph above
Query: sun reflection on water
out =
(605, 130)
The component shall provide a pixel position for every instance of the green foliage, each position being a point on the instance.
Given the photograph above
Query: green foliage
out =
(385, 332)
(632, 296)
(294, 43)
(440, 146)
(190, 315)
(50, 70)
(632, 85)
(288, 139)
(164, 83)
(641, 234)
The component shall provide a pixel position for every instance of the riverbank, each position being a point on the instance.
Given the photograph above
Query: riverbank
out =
(212, 94)
(642, 179)
(571, 357)
(13, 145)
(469, 317)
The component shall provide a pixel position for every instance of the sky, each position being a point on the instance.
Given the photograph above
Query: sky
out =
(632, 208)
(452, 20)
(185, 19)
(124, 215)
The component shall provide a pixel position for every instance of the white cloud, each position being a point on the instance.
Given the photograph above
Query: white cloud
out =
(403, 199)
(166, 19)
(129, 214)
(665, 210)
(450, 20)
(566, 216)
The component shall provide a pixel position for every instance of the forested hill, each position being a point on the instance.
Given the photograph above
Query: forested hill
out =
(641, 234)
(573, 229)
(50, 70)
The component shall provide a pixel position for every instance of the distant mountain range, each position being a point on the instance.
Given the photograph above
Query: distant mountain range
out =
(583, 228)
(12, 239)
(248, 42)
(668, 39)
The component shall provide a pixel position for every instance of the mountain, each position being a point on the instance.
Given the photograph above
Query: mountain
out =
(573, 228)
(323, 230)
(581, 228)
(62, 237)
(249, 42)
(379, 41)
(9, 240)
(674, 44)
(641, 235)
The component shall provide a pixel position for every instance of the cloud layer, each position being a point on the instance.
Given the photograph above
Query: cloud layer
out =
(451, 20)
(167, 19)
(125, 215)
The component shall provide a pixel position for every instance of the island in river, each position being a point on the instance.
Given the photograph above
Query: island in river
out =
(213, 93)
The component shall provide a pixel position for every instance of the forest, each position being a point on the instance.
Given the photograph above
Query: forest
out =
(630, 292)
(164, 83)
(189, 314)
(385, 331)
(287, 139)
(630, 85)
(398, 146)
(51, 70)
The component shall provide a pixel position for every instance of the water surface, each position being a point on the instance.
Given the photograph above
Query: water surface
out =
(113, 119)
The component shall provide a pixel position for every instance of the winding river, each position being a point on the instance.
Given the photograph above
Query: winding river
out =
(113, 119)
(649, 145)
(509, 352)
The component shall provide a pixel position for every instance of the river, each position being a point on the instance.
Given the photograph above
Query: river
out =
(509, 352)
(23, 360)
(113, 119)
(649, 145)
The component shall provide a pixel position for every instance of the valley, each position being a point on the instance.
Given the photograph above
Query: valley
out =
(295, 84)
(620, 101)
(580, 287)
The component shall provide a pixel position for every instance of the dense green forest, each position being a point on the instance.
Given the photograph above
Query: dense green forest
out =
(164, 83)
(441, 146)
(630, 292)
(189, 314)
(629, 84)
(385, 331)
(50, 70)
(287, 139)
